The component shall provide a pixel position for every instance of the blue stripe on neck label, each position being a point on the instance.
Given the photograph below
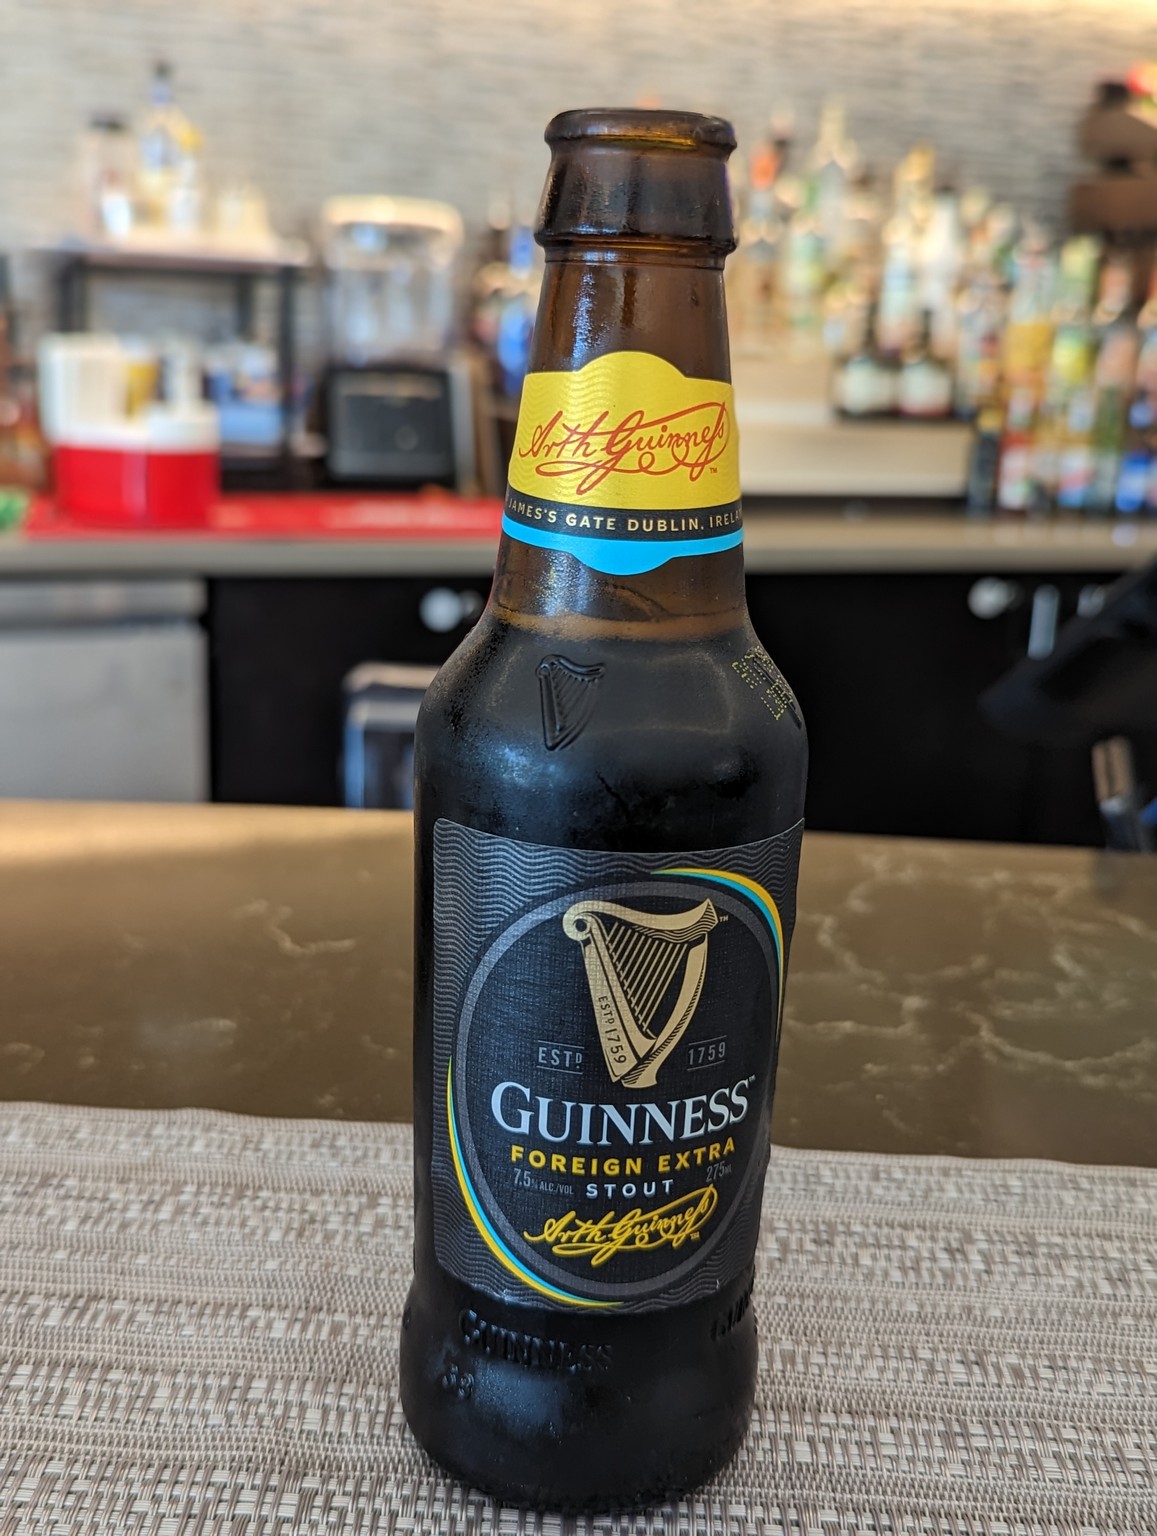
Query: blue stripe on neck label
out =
(618, 541)
(620, 557)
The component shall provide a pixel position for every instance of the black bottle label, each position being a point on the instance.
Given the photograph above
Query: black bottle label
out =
(605, 1037)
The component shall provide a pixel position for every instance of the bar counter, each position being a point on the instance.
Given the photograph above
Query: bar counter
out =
(789, 539)
(972, 999)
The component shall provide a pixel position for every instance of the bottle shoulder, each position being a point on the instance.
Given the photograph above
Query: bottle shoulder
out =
(615, 742)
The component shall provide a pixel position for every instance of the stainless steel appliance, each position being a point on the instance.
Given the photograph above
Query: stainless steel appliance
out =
(103, 690)
(397, 398)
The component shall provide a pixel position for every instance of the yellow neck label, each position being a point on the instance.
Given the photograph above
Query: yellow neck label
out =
(604, 454)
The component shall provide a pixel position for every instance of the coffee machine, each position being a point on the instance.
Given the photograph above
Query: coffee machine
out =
(397, 397)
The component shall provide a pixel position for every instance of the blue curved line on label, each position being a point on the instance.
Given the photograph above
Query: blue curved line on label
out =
(620, 557)
(720, 878)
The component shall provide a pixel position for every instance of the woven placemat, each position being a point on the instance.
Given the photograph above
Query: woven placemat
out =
(198, 1315)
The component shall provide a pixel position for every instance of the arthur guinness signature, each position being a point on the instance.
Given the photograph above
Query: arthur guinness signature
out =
(689, 440)
(677, 1223)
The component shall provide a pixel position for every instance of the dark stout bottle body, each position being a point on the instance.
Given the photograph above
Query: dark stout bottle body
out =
(693, 743)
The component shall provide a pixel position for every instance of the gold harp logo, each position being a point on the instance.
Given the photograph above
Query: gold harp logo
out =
(633, 962)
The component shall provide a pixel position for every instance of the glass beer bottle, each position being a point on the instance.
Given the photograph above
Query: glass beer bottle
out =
(609, 798)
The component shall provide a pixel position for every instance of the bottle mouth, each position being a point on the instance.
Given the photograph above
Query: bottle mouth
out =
(647, 127)
(638, 177)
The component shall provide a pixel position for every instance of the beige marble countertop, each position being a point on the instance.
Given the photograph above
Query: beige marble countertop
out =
(961, 998)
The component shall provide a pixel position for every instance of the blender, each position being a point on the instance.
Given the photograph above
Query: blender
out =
(396, 398)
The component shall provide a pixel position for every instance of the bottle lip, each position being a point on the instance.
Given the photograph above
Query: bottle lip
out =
(656, 128)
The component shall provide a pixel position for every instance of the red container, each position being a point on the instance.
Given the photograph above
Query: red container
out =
(105, 487)
(182, 488)
(128, 481)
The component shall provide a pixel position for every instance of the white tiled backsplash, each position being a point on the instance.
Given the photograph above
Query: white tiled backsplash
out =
(449, 97)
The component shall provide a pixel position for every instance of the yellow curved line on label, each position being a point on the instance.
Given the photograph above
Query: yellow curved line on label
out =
(627, 431)
(762, 898)
(487, 1232)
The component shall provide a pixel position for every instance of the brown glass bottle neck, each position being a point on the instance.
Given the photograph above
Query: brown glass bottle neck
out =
(664, 300)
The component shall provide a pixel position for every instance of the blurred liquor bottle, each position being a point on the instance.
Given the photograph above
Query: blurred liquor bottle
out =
(982, 308)
(1118, 345)
(517, 315)
(1137, 480)
(981, 311)
(984, 460)
(106, 178)
(804, 268)
(503, 305)
(753, 273)
(23, 453)
(1063, 451)
(170, 182)
(832, 167)
(865, 382)
(924, 386)
(899, 312)
(1027, 348)
(854, 278)
(941, 260)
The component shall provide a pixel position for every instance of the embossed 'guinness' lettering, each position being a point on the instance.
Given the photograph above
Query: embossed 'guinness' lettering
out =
(728, 1321)
(532, 1350)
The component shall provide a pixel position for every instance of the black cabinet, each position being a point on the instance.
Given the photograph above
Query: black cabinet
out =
(888, 668)
(279, 650)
